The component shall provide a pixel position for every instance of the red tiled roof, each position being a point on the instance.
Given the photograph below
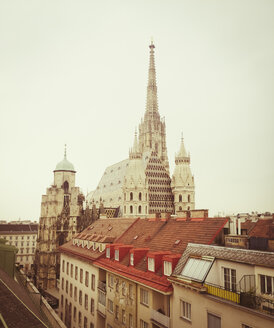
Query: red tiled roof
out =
(264, 228)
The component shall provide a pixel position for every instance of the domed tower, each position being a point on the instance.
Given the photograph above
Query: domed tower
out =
(61, 209)
(182, 183)
(135, 187)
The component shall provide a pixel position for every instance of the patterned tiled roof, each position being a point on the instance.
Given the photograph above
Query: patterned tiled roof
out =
(225, 253)
(12, 228)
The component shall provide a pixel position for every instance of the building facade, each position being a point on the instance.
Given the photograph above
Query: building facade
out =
(24, 238)
(141, 184)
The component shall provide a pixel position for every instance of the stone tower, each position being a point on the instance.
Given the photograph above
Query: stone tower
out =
(135, 186)
(182, 184)
(61, 217)
(152, 129)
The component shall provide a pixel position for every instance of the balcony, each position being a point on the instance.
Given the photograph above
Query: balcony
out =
(160, 319)
(102, 286)
(101, 308)
(101, 304)
(223, 293)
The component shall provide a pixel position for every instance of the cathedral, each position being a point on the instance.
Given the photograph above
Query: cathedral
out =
(142, 184)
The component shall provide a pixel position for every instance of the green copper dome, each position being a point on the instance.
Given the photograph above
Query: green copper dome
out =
(65, 165)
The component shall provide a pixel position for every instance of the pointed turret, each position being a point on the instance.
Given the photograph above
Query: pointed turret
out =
(182, 183)
(134, 151)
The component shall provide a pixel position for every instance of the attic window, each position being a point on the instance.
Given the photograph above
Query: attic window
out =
(108, 253)
(109, 228)
(151, 264)
(196, 269)
(116, 254)
(135, 237)
(131, 259)
(90, 227)
(167, 268)
(177, 242)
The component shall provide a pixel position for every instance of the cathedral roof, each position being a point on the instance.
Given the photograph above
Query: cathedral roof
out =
(65, 165)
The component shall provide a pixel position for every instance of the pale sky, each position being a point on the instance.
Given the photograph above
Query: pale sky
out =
(76, 71)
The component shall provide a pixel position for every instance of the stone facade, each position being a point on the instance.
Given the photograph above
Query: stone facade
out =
(141, 184)
(62, 215)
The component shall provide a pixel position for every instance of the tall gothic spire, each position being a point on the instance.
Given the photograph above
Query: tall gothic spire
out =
(152, 102)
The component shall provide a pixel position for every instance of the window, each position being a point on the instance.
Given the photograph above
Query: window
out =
(131, 209)
(116, 254)
(213, 321)
(131, 196)
(196, 269)
(130, 291)
(71, 270)
(92, 306)
(93, 282)
(62, 285)
(75, 293)
(117, 285)
(91, 325)
(180, 198)
(108, 253)
(117, 312)
(143, 324)
(67, 268)
(131, 259)
(144, 296)
(167, 268)
(185, 310)
(123, 316)
(140, 196)
(74, 313)
(66, 286)
(188, 198)
(151, 264)
(110, 306)
(70, 290)
(85, 322)
(80, 297)
(62, 300)
(140, 209)
(79, 318)
(86, 301)
(123, 288)
(86, 278)
(245, 326)
(76, 273)
(110, 280)
(230, 279)
(267, 284)
(81, 275)
(130, 320)
(63, 266)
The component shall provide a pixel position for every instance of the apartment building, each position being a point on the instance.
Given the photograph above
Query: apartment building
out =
(79, 278)
(23, 237)
(218, 287)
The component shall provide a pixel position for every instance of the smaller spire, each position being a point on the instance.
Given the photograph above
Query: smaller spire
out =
(134, 151)
(65, 153)
(182, 155)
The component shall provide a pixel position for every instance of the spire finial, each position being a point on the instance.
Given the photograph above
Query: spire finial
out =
(65, 153)
(182, 135)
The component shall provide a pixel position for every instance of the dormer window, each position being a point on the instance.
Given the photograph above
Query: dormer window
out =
(151, 264)
(132, 259)
(116, 254)
(167, 268)
(108, 253)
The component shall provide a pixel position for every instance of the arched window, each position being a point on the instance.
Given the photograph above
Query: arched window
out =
(180, 198)
(131, 196)
(131, 209)
(66, 187)
(180, 208)
(140, 209)
(140, 196)
(188, 208)
(188, 198)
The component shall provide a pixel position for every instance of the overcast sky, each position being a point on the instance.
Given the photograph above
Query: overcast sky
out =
(75, 72)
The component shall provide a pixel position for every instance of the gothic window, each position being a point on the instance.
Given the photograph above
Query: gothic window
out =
(131, 196)
(140, 209)
(188, 198)
(180, 198)
(180, 208)
(131, 209)
(140, 196)
(66, 187)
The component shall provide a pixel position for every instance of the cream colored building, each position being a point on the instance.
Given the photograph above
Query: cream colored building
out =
(215, 287)
(23, 237)
(141, 184)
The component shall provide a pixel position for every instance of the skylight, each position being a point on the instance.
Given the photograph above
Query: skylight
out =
(196, 269)
(135, 237)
